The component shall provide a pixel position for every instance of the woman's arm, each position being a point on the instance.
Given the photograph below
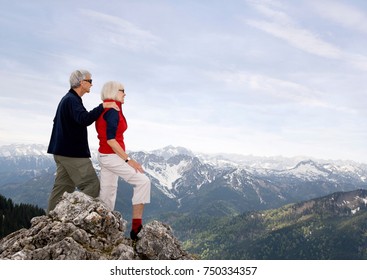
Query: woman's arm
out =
(121, 153)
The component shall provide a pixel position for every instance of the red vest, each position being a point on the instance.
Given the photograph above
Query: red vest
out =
(101, 127)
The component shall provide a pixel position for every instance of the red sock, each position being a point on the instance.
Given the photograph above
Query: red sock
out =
(136, 223)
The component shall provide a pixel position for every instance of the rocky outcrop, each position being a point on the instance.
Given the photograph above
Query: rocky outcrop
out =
(82, 228)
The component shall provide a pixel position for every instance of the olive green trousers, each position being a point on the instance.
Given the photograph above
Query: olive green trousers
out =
(72, 174)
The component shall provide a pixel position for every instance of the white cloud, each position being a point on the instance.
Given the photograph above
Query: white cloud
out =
(346, 15)
(357, 60)
(122, 33)
(300, 38)
(282, 26)
(279, 24)
(281, 91)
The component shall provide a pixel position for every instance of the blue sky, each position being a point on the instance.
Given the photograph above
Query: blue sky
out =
(253, 77)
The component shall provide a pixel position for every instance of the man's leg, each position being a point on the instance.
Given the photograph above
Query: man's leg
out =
(62, 184)
(82, 173)
(71, 173)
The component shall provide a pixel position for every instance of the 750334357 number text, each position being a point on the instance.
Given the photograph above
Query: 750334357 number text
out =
(228, 270)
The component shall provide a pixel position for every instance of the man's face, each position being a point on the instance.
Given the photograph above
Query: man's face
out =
(86, 84)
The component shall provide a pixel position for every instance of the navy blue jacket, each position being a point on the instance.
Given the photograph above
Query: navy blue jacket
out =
(69, 136)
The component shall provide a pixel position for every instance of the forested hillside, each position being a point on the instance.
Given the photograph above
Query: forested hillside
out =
(16, 216)
(331, 227)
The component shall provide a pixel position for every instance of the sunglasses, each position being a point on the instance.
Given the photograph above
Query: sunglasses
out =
(89, 81)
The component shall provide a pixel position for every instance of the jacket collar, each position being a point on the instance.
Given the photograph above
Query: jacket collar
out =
(117, 102)
(72, 91)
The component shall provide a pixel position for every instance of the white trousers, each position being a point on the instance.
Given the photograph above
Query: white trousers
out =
(113, 167)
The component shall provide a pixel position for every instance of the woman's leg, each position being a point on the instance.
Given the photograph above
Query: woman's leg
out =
(108, 181)
(141, 184)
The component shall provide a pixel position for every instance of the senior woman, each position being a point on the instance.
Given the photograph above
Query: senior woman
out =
(115, 162)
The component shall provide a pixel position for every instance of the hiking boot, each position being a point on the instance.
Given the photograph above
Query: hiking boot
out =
(134, 235)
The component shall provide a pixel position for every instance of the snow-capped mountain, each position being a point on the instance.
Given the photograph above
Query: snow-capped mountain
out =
(19, 159)
(170, 151)
(309, 170)
(17, 150)
(184, 181)
(194, 180)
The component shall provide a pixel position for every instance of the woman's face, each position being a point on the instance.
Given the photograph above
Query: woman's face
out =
(121, 95)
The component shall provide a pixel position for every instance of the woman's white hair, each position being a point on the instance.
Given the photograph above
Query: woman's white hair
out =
(110, 90)
(77, 76)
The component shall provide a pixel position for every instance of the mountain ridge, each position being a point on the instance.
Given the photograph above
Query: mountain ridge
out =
(183, 181)
(21, 149)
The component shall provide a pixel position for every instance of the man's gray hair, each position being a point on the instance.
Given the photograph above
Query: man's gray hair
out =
(77, 76)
